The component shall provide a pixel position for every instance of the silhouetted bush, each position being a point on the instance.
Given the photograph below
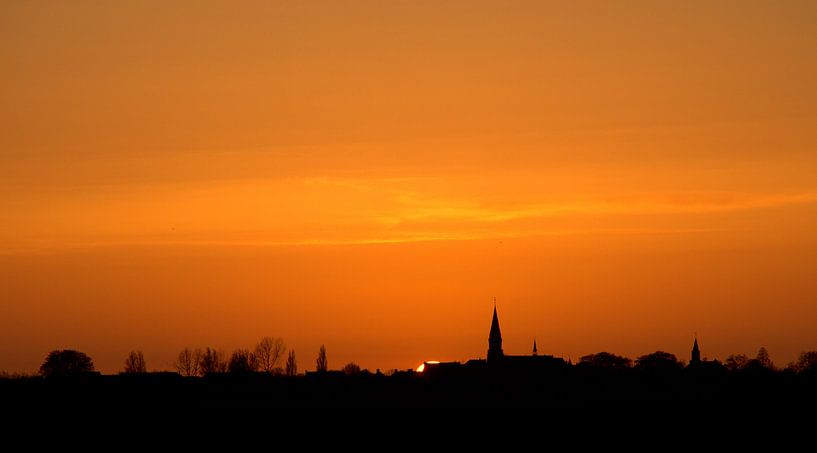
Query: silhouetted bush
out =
(605, 360)
(736, 362)
(658, 361)
(351, 368)
(66, 362)
(16, 375)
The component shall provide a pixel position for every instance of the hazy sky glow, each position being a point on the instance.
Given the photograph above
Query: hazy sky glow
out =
(369, 175)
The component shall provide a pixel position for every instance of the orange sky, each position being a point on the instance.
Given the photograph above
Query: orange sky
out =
(369, 175)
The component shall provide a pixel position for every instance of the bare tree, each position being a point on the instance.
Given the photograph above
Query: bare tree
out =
(212, 361)
(187, 364)
(135, 363)
(268, 352)
(242, 361)
(321, 365)
(292, 364)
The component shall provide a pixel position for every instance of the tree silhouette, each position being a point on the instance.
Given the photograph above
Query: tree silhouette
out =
(351, 368)
(187, 363)
(292, 364)
(605, 360)
(268, 353)
(763, 360)
(807, 362)
(135, 363)
(736, 362)
(242, 361)
(658, 360)
(321, 364)
(212, 361)
(66, 362)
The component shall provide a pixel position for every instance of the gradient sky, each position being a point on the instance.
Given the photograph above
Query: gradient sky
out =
(369, 175)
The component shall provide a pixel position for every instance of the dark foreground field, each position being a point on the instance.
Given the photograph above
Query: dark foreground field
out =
(562, 389)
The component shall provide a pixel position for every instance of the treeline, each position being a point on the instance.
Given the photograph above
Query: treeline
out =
(266, 357)
(259, 377)
(806, 362)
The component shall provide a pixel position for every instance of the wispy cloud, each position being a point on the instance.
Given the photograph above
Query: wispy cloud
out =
(358, 211)
(415, 208)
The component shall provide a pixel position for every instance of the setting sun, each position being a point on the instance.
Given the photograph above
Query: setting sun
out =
(422, 366)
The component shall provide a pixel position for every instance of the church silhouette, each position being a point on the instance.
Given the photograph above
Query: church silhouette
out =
(497, 360)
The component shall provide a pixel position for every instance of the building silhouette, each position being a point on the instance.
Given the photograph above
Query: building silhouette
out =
(696, 354)
(495, 353)
(699, 365)
(497, 361)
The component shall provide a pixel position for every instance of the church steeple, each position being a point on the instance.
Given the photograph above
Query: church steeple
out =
(535, 352)
(495, 339)
(696, 353)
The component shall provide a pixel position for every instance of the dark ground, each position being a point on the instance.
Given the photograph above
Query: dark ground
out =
(567, 389)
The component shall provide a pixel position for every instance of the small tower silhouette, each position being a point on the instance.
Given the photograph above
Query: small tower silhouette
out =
(495, 340)
(696, 353)
(535, 352)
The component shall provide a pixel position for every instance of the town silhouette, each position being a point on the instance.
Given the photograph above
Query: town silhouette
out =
(268, 376)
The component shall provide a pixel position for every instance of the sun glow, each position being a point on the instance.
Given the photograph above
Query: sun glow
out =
(422, 366)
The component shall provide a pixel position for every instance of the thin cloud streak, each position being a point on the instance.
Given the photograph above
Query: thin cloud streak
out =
(439, 210)
(353, 242)
(356, 211)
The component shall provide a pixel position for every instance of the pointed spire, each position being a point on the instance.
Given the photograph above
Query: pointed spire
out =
(535, 352)
(696, 352)
(495, 333)
(495, 338)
